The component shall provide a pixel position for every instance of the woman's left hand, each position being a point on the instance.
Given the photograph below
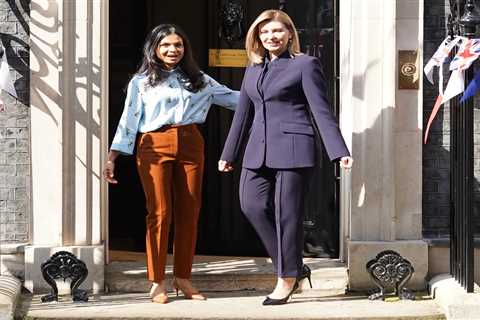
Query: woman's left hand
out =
(224, 166)
(346, 162)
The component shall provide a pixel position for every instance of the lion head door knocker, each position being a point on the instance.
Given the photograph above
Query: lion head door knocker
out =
(390, 269)
(231, 16)
(64, 265)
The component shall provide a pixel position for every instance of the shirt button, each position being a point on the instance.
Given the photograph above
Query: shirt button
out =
(263, 141)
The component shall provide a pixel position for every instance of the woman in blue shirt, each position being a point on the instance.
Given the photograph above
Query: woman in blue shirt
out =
(166, 99)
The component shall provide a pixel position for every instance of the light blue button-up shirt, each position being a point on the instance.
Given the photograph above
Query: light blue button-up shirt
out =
(149, 108)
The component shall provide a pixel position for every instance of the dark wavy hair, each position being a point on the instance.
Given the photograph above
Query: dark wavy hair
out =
(154, 68)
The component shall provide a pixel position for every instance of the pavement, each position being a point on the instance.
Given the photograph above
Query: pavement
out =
(235, 287)
(227, 305)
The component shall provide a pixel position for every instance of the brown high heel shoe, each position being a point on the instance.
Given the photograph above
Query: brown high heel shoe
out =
(188, 292)
(158, 296)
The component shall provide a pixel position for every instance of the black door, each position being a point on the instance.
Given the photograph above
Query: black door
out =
(316, 22)
(222, 227)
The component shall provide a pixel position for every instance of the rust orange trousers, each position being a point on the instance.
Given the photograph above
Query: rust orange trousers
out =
(170, 165)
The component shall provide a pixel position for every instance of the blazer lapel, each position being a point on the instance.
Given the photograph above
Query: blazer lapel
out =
(276, 68)
(254, 78)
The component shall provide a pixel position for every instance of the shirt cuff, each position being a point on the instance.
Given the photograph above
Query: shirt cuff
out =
(123, 149)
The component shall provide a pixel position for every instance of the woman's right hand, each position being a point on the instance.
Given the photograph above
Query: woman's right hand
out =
(224, 166)
(108, 172)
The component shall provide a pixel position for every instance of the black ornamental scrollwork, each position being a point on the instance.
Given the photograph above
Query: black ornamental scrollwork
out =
(390, 269)
(64, 265)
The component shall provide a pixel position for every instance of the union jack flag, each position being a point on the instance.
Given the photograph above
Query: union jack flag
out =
(469, 51)
(440, 57)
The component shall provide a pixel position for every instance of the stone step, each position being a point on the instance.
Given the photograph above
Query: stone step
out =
(127, 273)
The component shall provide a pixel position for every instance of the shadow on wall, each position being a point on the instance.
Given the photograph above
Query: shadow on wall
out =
(73, 102)
(368, 206)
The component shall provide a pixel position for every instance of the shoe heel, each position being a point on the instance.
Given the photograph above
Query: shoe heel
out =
(175, 287)
(310, 282)
(307, 273)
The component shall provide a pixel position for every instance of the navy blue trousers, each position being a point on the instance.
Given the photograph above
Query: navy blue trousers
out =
(273, 202)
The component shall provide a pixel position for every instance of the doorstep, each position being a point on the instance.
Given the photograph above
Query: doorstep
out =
(127, 272)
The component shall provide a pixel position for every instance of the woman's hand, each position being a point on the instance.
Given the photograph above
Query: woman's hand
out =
(346, 162)
(224, 166)
(109, 168)
(108, 172)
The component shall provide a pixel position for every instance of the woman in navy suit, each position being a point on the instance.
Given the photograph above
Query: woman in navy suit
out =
(282, 91)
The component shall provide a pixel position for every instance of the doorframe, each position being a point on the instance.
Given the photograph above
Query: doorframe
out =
(343, 16)
(345, 178)
(344, 187)
(104, 101)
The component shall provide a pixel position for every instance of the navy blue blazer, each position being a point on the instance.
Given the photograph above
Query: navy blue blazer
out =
(281, 134)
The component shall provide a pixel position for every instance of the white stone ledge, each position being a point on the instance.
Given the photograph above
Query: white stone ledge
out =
(453, 299)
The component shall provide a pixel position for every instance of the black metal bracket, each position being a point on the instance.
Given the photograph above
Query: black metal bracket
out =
(390, 269)
(65, 265)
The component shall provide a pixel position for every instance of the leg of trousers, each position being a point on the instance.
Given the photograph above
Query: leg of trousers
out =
(170, 166)
(273, 202)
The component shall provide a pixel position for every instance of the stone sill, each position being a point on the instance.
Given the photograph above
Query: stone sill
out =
(445, 242)
(13, 248)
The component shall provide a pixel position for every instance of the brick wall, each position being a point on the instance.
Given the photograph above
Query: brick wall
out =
(14, 125)
(436, 154)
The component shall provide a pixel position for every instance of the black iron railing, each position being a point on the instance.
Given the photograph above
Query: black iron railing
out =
(462, 21)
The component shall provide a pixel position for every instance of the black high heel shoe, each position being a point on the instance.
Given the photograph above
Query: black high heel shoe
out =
(275, 302)
(306, 274)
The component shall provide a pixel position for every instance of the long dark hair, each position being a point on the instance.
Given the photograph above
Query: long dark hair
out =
(154, 68)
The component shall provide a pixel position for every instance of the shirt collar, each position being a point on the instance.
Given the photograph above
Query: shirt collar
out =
(174, 70)
(285, 55)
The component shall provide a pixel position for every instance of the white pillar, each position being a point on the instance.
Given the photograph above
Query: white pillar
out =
(383, 128)
(68, 62)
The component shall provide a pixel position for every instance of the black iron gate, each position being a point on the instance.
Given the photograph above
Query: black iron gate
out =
(463, 21)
